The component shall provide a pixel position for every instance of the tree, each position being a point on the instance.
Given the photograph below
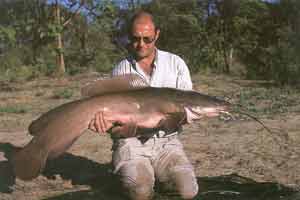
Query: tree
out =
(60, 23)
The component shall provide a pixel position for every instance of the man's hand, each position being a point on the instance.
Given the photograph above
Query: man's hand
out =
(100, 124)
(119, 125)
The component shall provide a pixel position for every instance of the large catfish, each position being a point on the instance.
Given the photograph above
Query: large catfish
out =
(148, 107)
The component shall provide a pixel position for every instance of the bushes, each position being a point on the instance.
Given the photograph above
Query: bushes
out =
(12, 65)
(18, 64)
(261, 36)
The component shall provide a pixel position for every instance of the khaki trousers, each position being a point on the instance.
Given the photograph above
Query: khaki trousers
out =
(139, 164)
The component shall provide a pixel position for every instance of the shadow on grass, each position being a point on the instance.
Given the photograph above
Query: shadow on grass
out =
(104, 185)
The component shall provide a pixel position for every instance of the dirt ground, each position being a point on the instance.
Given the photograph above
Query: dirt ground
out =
(223, 151)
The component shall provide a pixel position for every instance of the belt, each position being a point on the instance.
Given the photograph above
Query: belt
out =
(159, 134)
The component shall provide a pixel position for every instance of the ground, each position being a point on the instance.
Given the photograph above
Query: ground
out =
(234, 158)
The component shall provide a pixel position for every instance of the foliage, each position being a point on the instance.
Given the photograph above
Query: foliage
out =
(7, 36)
(181, 30)
(209, 35)
(267, 48)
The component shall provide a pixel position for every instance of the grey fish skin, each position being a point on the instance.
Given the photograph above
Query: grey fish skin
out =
(55, 131)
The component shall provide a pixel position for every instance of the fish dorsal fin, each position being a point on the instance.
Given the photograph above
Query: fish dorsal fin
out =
(119, 83)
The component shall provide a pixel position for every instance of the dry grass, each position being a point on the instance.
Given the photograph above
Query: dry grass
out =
(217, 148)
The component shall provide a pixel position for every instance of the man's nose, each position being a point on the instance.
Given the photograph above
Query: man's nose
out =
(141, 42)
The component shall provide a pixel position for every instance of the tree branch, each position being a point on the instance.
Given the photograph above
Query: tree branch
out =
(74, 13)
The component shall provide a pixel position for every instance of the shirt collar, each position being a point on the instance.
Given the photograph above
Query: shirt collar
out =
(133, 61)
(156, 58)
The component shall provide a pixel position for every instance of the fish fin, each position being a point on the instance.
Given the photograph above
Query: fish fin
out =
(172, 122)
(30, 161)
(59, 150)
(120, 83)
(35, 126)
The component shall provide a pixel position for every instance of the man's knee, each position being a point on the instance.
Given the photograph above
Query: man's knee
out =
(138, 189)
(182, 175)
(186, 182)
(138, 181)
(140, 192)
(189, 193)
(187, 187)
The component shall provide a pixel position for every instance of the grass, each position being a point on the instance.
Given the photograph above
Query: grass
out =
(13, 109)
(268, 100)
(63, 93)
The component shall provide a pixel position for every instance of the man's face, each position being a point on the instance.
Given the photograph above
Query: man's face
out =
(143, 37)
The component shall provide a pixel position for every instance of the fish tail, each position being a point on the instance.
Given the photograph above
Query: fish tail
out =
(29, 162)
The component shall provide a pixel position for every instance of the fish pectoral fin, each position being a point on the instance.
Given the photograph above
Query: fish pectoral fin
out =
(172, 122)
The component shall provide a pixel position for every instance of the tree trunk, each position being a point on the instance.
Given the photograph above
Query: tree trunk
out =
(231, 56)
(226, 62)
(60, 62)
(225, 47)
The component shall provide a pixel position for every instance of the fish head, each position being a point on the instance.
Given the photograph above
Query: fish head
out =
(198, 105)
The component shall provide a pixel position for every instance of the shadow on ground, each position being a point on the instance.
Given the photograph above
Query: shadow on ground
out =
(82, 171)
(7, 177)
(230, 187)
(76, 169)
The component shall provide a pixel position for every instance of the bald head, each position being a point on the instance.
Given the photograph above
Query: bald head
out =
(142, 17)
(143, 35)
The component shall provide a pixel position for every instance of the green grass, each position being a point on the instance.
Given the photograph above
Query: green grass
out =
(63, 94)
(13, 109)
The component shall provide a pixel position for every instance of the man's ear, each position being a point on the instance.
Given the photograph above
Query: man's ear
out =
(157, 33)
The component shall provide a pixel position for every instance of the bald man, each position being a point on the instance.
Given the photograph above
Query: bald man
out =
(137, 161)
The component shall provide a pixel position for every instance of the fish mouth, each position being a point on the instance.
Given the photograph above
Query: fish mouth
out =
(198, 112)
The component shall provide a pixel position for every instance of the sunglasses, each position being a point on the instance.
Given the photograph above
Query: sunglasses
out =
(147, 40)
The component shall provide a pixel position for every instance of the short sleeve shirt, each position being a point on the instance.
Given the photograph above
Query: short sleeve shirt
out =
(169, 71)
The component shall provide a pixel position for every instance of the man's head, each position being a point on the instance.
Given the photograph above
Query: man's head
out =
(143, 35)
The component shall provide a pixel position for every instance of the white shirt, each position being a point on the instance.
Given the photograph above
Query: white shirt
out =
(169, 71)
